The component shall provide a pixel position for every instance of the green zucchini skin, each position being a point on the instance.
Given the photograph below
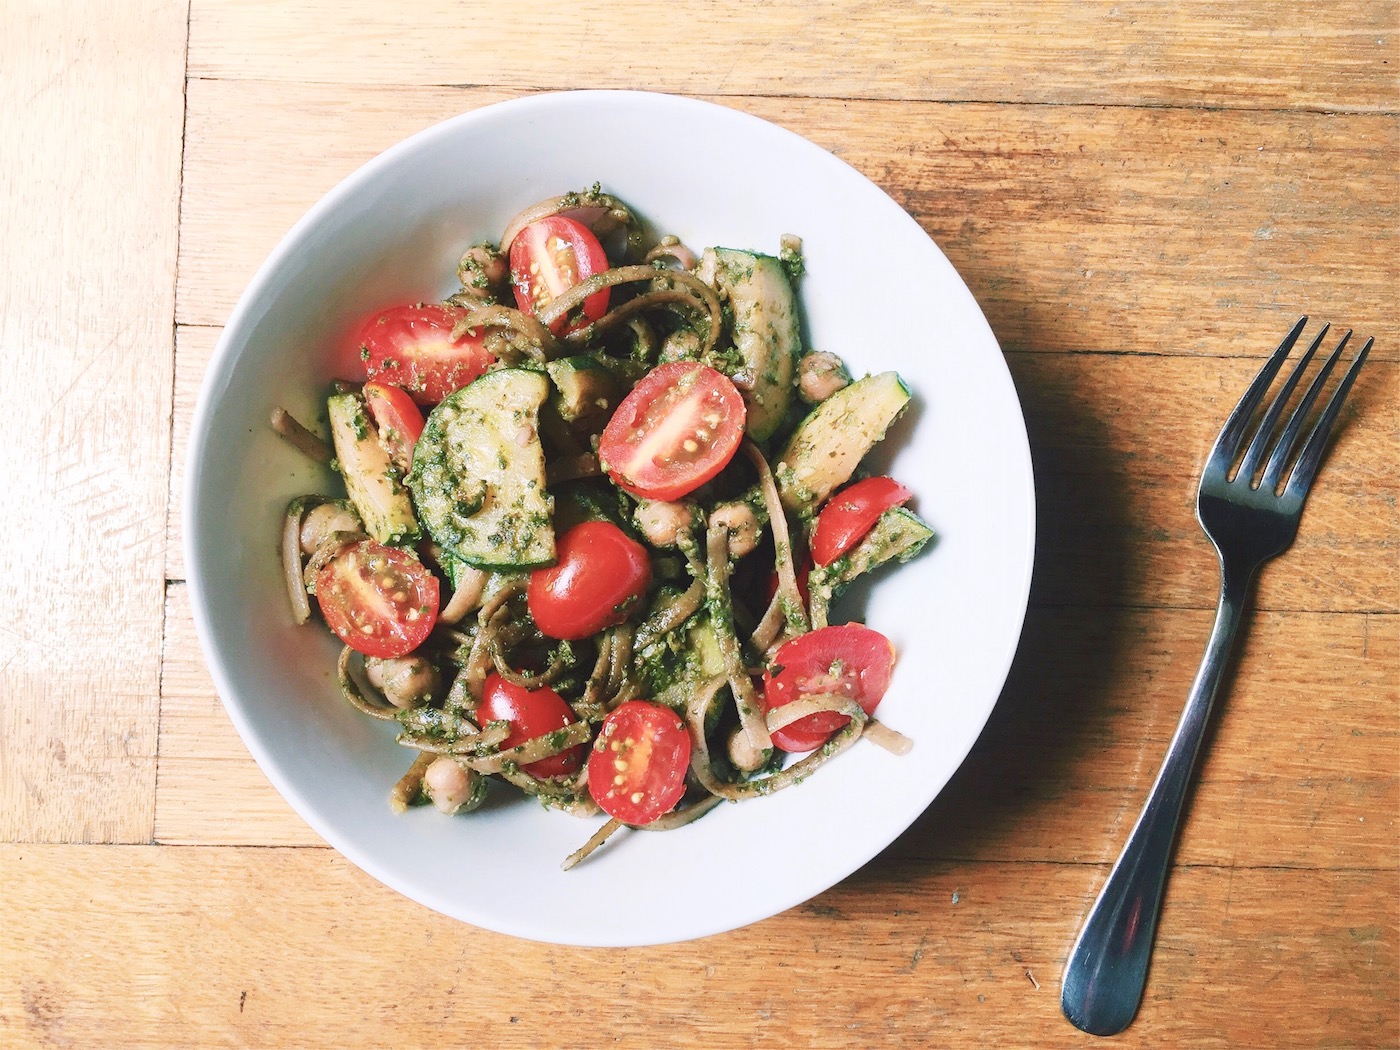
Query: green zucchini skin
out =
(834, 437)
(766, 335)
(586, 390)
(897, 535)
(478, 473)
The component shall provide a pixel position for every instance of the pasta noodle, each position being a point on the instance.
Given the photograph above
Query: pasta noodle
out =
(597, 674)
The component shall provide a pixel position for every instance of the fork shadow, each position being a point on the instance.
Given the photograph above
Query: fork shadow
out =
(1065, 677)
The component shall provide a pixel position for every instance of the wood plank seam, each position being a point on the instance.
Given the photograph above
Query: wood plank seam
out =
(781, 96)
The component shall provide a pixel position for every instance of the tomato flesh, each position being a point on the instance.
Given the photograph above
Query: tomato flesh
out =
(677, 429)
(599, 575)
(849, 659)
(398, 419)
(379, 600)
(531, 713)
(549, 257)
(411, 347)
(636, 770)
(849, 515)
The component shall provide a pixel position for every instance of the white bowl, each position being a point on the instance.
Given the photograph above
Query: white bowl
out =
(877, 291)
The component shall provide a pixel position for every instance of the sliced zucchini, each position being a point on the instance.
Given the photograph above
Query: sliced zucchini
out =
(586, 390)
(478, 473)
(677, 664)
(591, 499)
(766, 335)
(898, 534)
(835, 436)
(371, 478)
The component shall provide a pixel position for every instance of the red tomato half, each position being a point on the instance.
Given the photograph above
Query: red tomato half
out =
(549, 257)
(599, 577)
(397, 418)
(676, 430)
(636, 770)
(849, 514)
(377, 599)
(531, 713)
(849, 659)
(411, 347)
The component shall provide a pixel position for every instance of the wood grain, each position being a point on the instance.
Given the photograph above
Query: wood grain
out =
(1142, 197)
(209, 789)
(1064, 765)
(296, 947)
(89, 194)
(1114, 229)
(1116, 481)
(194, 346)
(1251, 55)
(1062, 768)
(1119, 443)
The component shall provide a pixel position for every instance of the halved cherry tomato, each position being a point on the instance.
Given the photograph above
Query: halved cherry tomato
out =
(411, 347)
(849, 659)
(377, 599)
(636, 770)
(531, 713)
(549, 257)
(599, 577)
(849, 514)
(676, 430)
(397, 418)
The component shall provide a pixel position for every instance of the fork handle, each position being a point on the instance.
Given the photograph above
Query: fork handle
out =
(1107, 967)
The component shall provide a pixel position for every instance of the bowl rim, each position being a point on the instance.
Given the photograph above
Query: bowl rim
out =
(216, 379)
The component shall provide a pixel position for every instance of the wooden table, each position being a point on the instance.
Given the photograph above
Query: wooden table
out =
(1142, 197)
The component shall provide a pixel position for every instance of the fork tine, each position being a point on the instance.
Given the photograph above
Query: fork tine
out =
(1255, 454)
(1231, 435)
(1311, 457)
(1284, 449)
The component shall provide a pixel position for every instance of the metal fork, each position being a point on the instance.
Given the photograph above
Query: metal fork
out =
(1249, 523)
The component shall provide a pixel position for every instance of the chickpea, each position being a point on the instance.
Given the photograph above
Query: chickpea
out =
(405, 681)
(681, 345)
(662, 523)
(321, 522)
(482, 271)
(742, 525)
(819, 375)
(742, 754)
(452, 787)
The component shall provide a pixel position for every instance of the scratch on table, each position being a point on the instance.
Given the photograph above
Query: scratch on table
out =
(87, 366)
(918, 955)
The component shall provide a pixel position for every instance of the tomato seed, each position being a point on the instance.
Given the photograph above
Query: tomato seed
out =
(636, 797)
